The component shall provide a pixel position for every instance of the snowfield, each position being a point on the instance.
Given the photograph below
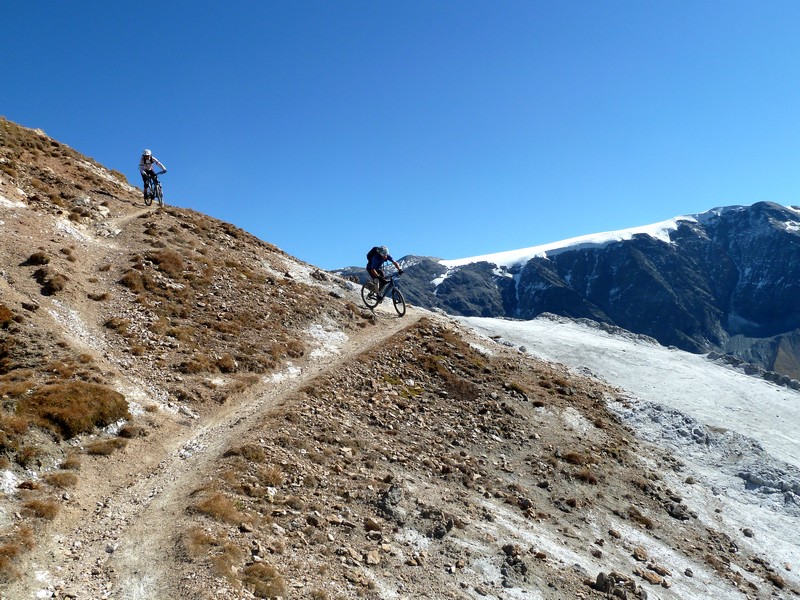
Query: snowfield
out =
(736, 434)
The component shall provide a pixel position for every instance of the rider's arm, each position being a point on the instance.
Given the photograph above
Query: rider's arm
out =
(158, 162)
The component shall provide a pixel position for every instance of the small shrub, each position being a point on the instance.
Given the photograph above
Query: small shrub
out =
(98, 296)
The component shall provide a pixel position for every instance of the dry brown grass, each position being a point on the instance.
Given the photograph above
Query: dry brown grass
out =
(575, 458)
(74, 407)
(72, 463)
(106, 447)
(12, 546)
(249, 451)
(264, 581)
(198, 542)
(219, 507)
(130, 430)
(60, 479)
(168, 261)
(38, 258)
(270, 476)
(41, 509)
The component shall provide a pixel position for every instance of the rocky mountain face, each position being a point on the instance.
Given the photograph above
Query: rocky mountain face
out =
(727, 281)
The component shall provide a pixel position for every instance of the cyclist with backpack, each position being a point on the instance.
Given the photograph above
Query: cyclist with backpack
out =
(375, 259)
(146, 170)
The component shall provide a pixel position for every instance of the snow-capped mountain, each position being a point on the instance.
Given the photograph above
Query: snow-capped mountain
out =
(726, 280)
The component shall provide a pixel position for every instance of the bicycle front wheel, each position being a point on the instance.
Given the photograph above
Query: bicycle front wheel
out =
(399, 302)
(159, 194)
(369, 297)
(148, 199)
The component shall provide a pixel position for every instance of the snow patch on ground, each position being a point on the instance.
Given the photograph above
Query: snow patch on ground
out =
(735, 435)
(8, 482)
(291, 372)
(68, 228)
(6, 203)
(329, 339)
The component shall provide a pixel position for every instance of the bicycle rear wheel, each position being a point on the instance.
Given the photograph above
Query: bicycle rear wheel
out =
(399, 302)
(369, 297)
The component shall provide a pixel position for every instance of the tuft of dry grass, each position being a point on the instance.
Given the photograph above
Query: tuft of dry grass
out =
(219, 507)
(575, 458)
(74, 407)
(169, 262)
(264, 580)
(249, 451)
(71, 463)
(270, 476)
(106, 447)
(60, 479)
(586, 475)
(197, 542)
(636, 516)
(11, 547)
(129, 430)
(37, 258)
(41, 509)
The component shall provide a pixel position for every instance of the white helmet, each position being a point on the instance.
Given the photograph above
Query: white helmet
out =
(383, 251)
(146, 153)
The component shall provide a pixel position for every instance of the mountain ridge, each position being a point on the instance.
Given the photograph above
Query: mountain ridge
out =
(724, 280)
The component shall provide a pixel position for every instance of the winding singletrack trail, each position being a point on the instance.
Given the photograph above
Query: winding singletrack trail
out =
(114, 537)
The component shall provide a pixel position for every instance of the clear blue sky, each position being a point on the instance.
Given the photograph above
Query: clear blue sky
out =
(448, 128)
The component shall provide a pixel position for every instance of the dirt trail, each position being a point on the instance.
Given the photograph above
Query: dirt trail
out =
(114, 536)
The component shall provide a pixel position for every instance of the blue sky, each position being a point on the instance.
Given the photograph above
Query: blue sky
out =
(441, 128)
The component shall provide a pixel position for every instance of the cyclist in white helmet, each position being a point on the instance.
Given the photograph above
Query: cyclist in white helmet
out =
(375, 259)
(146, 169)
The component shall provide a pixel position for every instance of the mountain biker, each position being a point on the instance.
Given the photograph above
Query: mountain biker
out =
(146, 169)
(375, 259)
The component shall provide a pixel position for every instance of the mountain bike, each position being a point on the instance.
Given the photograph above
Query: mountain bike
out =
(372, 298)
(155, 190)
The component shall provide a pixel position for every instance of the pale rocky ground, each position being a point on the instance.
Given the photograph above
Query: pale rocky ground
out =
(286, 442)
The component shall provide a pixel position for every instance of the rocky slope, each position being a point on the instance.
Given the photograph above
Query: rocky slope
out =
(188, 412)
(726, 281)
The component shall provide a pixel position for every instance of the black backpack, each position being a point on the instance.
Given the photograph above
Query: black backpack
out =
(372, 253)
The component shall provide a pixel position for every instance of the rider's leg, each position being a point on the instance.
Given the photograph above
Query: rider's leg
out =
(144, 184)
